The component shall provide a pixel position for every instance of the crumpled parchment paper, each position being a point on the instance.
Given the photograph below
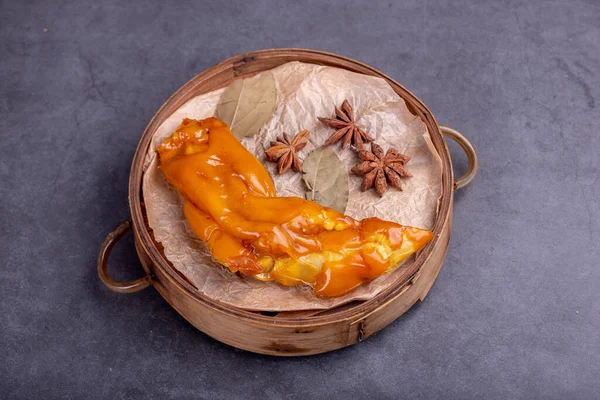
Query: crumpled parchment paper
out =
(304, 92)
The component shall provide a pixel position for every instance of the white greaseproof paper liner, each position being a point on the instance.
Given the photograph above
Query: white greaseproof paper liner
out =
(304, 92)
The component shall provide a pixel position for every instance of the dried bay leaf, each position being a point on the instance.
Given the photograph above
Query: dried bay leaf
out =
(326, 177)
(247, 104)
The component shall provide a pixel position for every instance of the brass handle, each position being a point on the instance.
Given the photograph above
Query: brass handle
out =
(119, 287)
(467, 146)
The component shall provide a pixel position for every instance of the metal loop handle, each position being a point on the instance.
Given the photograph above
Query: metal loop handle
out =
(119, 287)
(467, 146)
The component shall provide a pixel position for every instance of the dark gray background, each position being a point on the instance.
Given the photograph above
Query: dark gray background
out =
(515, 312)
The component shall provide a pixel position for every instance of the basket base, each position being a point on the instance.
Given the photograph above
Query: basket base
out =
(303, 332)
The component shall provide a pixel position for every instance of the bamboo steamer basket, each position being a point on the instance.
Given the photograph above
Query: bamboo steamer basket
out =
(285, 333)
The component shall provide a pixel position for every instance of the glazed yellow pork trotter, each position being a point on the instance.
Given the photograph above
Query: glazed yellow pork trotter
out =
(231, 205)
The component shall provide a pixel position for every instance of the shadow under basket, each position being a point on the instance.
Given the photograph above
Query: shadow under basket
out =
(292, 333)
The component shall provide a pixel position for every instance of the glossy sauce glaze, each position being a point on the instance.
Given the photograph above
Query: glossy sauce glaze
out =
(231, 205)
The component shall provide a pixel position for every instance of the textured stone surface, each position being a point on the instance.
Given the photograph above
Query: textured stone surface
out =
(515, 312)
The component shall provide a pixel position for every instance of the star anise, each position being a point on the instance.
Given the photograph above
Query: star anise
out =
(283, 151)
(379, 169)
(346, 128)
